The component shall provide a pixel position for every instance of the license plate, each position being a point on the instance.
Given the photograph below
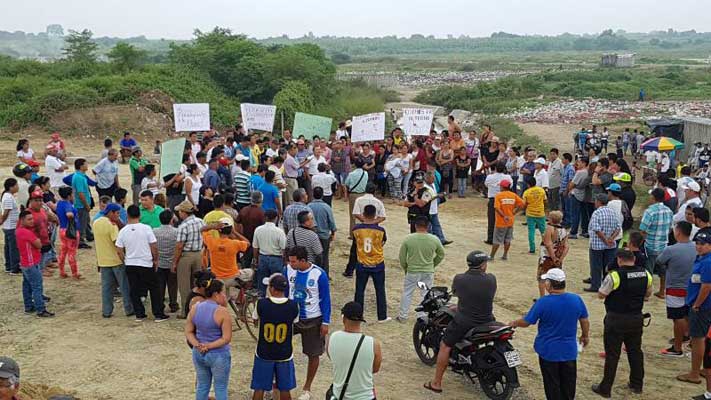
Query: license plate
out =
(513, 358)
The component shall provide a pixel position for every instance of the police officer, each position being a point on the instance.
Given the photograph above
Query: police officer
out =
(624, 291)
(418, 201)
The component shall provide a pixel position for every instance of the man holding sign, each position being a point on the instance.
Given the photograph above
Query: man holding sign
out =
(369, 127)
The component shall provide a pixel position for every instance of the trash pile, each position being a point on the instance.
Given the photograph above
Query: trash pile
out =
(417, 79)
(594, 110)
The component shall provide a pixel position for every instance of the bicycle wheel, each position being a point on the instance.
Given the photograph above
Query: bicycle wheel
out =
(248, 308)
(236, 312)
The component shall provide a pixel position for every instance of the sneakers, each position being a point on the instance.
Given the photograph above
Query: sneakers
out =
(30, 311)
(401, 319)
(670, 352)
(572, 237)
(684, 340)
(349, 276)
(161, 318)
(382, 321)
(45, 314)
(596, 389)
(305, 395)
(447, 242)
(140, 319)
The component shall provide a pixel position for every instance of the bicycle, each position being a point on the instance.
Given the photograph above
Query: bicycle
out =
(243, 306)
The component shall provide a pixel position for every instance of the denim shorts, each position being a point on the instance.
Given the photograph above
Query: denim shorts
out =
(265, 373)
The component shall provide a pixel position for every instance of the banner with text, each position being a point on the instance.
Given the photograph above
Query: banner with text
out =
(191, 117)
(311, 125)
(417, 121)
(258, 116)
(171, 156)
(368, 127)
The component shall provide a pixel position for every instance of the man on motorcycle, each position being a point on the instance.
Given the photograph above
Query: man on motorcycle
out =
(475, 290)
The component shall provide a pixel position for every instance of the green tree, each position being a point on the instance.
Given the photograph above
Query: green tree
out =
(295, 96)
(126, 57)
(79, 47)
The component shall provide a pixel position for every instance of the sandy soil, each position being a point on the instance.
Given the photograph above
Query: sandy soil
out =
(116, 358)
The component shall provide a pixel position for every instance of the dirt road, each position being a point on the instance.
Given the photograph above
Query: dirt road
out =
(97, 358)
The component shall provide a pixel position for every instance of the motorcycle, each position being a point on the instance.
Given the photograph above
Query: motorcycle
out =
(485, 354)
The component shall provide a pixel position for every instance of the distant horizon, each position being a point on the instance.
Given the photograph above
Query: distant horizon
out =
(306, 35)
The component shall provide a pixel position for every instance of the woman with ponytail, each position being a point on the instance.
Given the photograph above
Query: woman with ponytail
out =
(8, 218)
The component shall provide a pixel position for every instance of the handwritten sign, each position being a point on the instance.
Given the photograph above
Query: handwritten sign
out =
(417, 121)
(368, 127)
(311, 125)
(191, 117)
(171, 156)
(258, 116)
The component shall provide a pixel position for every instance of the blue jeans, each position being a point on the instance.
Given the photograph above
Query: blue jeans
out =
(12, 255)
(267, 266)
(208, 367)
(32, 289)
(461, 186)
(579, 216)
(111, 277)
(566, 206)
(599, 259)
(362, 275)
(436, 227)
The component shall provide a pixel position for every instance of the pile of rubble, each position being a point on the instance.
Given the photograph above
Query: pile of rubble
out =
(427, 78)
(593, 110)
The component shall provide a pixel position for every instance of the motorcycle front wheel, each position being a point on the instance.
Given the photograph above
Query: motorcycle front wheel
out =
(426, 341)
(497, 384)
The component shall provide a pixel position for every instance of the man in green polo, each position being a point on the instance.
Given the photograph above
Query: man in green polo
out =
(137, 165)
(150, 212)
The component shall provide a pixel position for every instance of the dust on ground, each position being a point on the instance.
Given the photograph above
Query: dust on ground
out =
(97, 358)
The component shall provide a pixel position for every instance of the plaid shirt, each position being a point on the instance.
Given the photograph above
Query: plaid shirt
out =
(603, 220)
(166, 235)
(189, 233)
(656, 222)
(566, 176)
(291, 215)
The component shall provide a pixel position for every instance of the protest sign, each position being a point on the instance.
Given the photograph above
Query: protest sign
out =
(311, 125)
(258, 117)
(171, 156)
(368, 127)
(417, 121)
(191, 117)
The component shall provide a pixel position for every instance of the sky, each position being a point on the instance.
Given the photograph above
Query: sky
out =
(176, 19)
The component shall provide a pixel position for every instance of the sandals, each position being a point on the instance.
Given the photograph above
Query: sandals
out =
(687, 379)
(429, 387)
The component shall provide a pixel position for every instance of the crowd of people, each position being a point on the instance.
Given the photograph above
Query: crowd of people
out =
(256, 209)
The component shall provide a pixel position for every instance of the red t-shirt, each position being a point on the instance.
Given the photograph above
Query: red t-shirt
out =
(29, 254)
(41, 227)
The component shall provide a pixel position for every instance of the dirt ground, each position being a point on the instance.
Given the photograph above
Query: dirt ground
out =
(96, 358)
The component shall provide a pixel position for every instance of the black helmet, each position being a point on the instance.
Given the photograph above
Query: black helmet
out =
(476, 258)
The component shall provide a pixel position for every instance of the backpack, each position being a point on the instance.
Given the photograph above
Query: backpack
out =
(627, 219)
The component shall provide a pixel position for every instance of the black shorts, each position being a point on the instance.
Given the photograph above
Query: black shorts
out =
(455, 333)
(707, 354)
(699, 323)
(312, 343)
(677, 312)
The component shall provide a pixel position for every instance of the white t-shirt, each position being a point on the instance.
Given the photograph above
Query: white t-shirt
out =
(9, 203)
(271, 152)
(25, 154)
(51, 164)
(434, 204)
(313, 164)
(651, 156)
(368, 199)
(493, 181)
(616, 206)
(541, 178)
(324, 181)
(665, 163)
(135, 239)
(341, 134)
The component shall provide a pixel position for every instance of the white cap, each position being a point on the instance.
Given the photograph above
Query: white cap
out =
(693, 185)
(539, 160)
(554, 274)
(241, 157)
(227, 221)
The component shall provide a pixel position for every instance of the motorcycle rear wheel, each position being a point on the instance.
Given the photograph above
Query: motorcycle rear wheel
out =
(423, 338)
(497, 384)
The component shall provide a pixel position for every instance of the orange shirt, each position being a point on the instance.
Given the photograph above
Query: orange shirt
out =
(223, 254)
(507, 202)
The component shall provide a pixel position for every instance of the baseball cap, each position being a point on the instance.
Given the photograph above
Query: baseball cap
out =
(277, 281)
(693, 185)
(615, 187)
(37, 194)
(476, 258)
(419, 178)
(9, 368)
(505, 183)
(111, 207)
(136, 150)
(703, 238)
(241, 157)
(227, 221)
(554, 274)
(185, 206)
(622, 177)
(353, 311)
(539, 160)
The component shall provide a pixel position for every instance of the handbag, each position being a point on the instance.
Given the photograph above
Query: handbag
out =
(329, 392)
(71, 232)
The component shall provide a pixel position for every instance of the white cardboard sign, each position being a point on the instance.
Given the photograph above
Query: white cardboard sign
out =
(368, 127)
(417, 121)
(258, 116)
(191, 117)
